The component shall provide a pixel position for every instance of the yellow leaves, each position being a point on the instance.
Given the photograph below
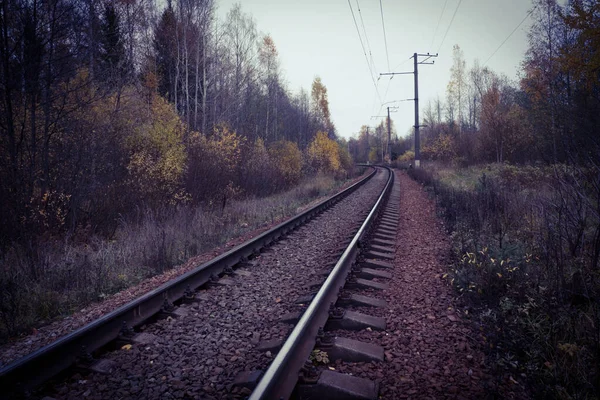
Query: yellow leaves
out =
(407, 156)
(321, 103)
(287, 158)
(158, 155)
(441, 148)
(323, 153)
(226, 146)
(126, 347)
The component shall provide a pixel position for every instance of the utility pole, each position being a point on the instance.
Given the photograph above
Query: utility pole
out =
(389, 141)
(386, 150)
(416, 99)
(368, 145)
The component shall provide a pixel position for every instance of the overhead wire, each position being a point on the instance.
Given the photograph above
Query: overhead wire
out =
(403, 62)
(364, 51)
(366, 37)
(508, 37)
(438, 24)
(449, 25)
(384, 35)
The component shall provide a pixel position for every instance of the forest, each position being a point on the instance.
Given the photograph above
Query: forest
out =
(130, 133)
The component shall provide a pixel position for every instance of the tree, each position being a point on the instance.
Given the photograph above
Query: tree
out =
(112, 48)
(267, 54)
(287, 159)
(457, 87)
(240, 38)
(323, 154)
(166, 52)
(480, 80)
(542, 80)
(320, 106)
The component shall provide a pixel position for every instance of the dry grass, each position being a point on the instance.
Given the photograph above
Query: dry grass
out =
(527, 241)
(55, 278)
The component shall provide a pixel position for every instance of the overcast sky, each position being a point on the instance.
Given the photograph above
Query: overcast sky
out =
(319, 37)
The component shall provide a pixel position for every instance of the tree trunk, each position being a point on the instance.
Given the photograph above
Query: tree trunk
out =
(7, 81)
(47, 106)
(204, 111)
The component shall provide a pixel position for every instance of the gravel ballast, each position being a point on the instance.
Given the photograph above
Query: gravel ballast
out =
(201, 352)
(428, 346)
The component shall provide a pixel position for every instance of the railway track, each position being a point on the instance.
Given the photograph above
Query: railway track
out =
(254, 324)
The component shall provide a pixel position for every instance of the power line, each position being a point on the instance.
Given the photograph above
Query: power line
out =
(508, 37)
(402, 63)
(447, 30)
(438, 24)
(364, 51)
(384, 35)
(366, 37)
(387, 89)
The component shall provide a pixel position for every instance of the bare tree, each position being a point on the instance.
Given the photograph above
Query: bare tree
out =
(457, 87)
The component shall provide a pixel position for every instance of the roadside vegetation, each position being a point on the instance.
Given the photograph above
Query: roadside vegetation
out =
(72, 274)
(134, 135)
(526, 245)
(515, 170)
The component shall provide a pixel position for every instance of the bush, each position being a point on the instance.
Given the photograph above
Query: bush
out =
(288, 161)
(62, 277)
(527, 241)
(324, 154)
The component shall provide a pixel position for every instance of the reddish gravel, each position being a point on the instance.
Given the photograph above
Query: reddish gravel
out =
(428, 350)
(200, 354)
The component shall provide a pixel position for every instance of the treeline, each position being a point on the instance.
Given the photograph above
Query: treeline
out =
(371, 143)
(550, 115)
(109, 106)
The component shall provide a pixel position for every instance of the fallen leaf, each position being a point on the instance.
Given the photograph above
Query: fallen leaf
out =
(126, 347)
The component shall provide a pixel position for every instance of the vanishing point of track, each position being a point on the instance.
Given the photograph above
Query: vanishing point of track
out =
(244, 323)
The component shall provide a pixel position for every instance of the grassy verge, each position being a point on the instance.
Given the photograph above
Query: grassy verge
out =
(64, 276)
(527, 242)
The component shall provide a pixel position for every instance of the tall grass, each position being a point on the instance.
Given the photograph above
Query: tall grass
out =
(527, 241)
(52, 278)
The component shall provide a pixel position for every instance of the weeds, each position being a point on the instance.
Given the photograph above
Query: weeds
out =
(526, 243)
(52, 278)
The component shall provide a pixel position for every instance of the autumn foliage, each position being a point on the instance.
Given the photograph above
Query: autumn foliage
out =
(116, 116)
(324, 154)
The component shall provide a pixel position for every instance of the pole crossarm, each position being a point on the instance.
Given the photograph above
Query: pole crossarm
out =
(396, 73)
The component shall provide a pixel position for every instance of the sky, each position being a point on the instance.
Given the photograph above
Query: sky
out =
(320, 38)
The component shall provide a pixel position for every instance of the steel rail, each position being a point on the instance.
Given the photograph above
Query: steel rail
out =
(37, 367)
(281, 377)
